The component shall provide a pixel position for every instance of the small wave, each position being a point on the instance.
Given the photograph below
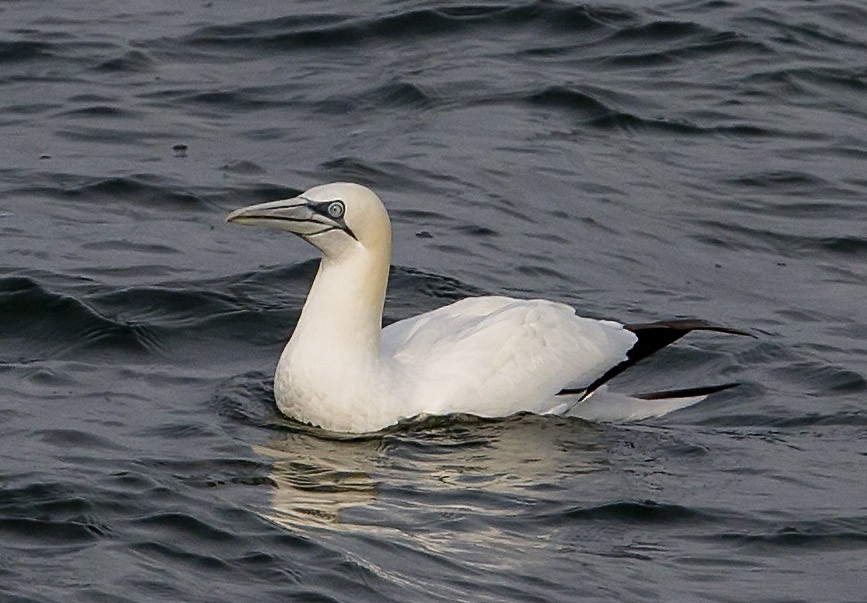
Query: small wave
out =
(288, 33)
(788, 244)
(854, 419)
(785, 179)
(798, 79)
(129, 246)
(132, 61)
(48, 514)
(89, 134)
(151, 319)
(421, 291)
(684, 39)
(593, 112)
(46, 531)
(647, 511)
(806, 35)
(383, 175)
(242, 167)
(175, 554)
(19, 50)
(45, 498)
(143, 188)
(848, 534)
(822, 378)
(102, 111)
(69, 439)
(561, 97)
(247, 399)
(167, 307)
(399, 93)
(663, 43)
(237, 99)
(180, 523)
(35, 316)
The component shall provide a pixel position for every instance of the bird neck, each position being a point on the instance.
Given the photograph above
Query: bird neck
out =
(343, 312)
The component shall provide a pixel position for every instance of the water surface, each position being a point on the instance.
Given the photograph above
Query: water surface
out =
(685, 159)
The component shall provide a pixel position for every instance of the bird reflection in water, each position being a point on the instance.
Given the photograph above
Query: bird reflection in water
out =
(443, 465)
(310, 491)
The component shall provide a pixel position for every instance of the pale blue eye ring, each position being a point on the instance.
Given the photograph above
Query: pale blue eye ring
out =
(335, 209)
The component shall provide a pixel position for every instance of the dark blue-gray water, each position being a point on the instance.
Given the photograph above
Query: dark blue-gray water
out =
(684, 159)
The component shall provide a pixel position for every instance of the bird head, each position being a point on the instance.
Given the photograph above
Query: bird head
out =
(335, 218)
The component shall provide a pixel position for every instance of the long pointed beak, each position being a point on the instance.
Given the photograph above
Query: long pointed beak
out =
(297, 215)
(292, 209)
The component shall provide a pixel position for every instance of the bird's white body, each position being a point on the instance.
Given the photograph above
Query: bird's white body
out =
(488, 356)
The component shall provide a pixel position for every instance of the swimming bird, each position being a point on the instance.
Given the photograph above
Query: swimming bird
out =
(489, 356)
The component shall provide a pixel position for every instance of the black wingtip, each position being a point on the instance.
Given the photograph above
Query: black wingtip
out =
(686, 325)
(652, 337)
(686, 393)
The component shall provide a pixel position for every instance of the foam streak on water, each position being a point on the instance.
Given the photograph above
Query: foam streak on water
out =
(685, 159)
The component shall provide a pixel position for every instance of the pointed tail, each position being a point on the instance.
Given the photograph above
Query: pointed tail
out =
(652, 337)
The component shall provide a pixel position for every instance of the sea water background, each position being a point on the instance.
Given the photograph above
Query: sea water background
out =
(678, 159)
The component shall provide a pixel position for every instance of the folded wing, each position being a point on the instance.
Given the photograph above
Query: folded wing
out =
(494, 356)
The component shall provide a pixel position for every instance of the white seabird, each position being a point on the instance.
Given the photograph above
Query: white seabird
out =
(488, 356)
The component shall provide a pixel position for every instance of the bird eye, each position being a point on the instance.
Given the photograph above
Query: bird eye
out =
(336, 209)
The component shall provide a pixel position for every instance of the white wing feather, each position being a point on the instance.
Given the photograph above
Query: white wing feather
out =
(494, 356)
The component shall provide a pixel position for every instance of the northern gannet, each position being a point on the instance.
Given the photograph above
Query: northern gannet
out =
(489, 356)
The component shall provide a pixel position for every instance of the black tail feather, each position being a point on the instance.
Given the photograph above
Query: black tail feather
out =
(686, 393)
(686, 325)
(652, 337)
